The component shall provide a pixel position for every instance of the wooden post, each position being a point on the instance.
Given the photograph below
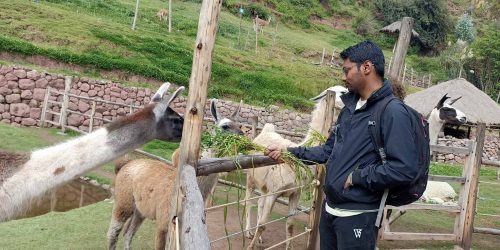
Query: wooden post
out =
(92, 113)
(404, 75)
(390, 62)
(246, 40)
(275, 33)
(318, 197)
(430, 81)
(53, 200)
(322, 58)
(45, 106)
(169, 16)
(333, 55)
(131, 109)
(472, 194)
(82, 189)
(186, 194)
(401, 47)
(239, 31)
(136, 13)
(256, 28)
(411, 77)
(255, 123)
(64, 109)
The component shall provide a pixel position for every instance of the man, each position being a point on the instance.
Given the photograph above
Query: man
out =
(355, 176)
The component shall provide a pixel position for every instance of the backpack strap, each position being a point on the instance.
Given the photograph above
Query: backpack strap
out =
(376, 130)
(375, 134)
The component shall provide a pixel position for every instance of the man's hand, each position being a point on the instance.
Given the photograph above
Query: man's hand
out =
(274, 152)
(348, 181)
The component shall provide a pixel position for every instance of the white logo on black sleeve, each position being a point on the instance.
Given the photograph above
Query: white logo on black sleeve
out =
(357, 233)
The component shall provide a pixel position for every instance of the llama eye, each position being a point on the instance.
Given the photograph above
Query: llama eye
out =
(224, 126)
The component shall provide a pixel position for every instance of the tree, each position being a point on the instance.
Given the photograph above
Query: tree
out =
(432, 21)
(483, 69)
(465, 29)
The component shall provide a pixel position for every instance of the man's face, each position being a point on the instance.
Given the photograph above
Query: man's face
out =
(352, 77)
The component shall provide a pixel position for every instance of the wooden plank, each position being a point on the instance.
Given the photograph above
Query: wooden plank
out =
(417, 236)
(473, 176)
(318, 196)
(54, 102)
(446, 178)
(436, 207)
(64, 108)
(78, 113)
(462, 198)
(255, 121)
(52, 122)
(405, 33)
(450, 150)
(483, 230)
(490, 163)
(53, 112)
(45, 107)
(92, 113)
(217, 165)
(196, 237)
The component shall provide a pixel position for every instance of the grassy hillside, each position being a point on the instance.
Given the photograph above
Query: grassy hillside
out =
(98, 33)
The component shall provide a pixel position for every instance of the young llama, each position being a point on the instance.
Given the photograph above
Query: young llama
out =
(25, 177)
(143, 188)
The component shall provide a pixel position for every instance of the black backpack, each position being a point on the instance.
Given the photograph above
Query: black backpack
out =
(405, 194)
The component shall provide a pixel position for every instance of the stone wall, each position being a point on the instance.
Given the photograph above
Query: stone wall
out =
(22, 92)
(491, 149)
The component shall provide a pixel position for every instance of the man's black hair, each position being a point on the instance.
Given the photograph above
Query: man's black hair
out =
(366, 51)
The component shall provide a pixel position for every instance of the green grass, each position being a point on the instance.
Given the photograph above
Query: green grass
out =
(27, 139)
(83, 228)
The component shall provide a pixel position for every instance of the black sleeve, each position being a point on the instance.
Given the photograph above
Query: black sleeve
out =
(314, 155)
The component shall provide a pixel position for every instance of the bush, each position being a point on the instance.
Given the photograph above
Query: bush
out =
(364, 24)
(465, 29)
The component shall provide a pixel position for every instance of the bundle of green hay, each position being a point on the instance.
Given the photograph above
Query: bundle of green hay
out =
(225, 144)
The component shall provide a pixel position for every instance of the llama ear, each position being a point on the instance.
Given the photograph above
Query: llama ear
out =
(160, 92)
(214, 111)
(441, 102)
(174, 95)
(454, 100)
(236, 111)
(319, 97)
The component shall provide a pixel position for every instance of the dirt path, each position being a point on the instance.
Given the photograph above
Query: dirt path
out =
(273, 234)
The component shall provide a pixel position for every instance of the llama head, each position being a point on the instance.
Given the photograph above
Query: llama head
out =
(447, 113)
(228, 124)
(339, 90)
(168, 122)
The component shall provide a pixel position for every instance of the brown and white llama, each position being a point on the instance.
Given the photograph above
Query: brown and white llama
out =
(208, 183)
(259, 24)
(272, 179)
(26, 177)
(162, 14)
(143, 188)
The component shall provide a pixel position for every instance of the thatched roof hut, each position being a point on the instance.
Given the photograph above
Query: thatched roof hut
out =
(477, 106)
(395, 27)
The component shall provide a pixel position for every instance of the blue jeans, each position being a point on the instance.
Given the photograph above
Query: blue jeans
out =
(356, 232)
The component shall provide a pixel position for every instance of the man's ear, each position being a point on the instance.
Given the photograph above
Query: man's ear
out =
(367, 67)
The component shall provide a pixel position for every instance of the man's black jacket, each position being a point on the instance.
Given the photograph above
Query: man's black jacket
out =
(349, 148)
